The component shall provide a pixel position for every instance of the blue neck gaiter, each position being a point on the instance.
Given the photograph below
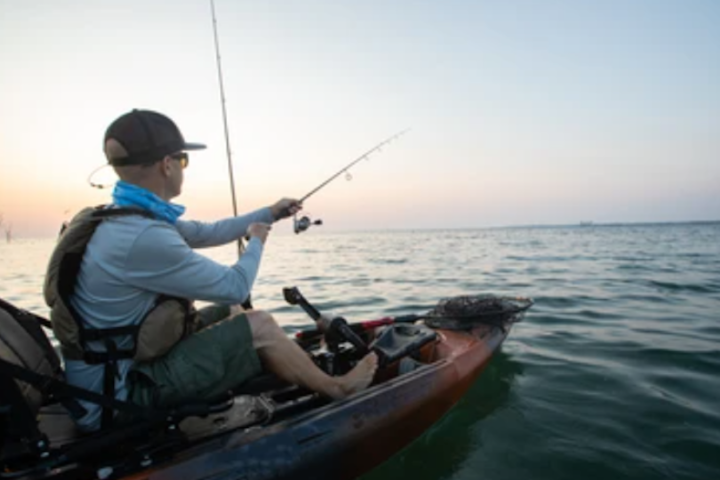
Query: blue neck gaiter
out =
(129, 195)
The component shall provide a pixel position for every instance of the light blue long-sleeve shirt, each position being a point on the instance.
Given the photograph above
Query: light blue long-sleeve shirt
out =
(130, 260)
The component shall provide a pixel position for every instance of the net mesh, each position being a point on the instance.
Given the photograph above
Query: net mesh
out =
(466, 311)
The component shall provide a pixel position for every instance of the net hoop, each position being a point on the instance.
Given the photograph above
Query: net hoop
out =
(467, 311)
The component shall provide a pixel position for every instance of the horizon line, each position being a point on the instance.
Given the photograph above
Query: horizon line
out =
(582, 224)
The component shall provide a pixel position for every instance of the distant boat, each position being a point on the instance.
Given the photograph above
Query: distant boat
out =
(586, 224)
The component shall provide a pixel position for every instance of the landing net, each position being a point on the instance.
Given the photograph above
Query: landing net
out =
(466, 311)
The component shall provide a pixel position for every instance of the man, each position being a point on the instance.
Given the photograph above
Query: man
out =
(132, 260)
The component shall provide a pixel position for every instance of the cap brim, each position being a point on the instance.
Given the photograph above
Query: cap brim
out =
(194, 146)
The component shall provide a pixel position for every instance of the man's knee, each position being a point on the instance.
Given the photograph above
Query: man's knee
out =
(236, 309)
(263, 326)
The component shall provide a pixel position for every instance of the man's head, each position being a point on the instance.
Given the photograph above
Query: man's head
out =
(147, 149)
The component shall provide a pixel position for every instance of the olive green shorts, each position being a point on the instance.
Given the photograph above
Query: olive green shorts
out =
(204, 366)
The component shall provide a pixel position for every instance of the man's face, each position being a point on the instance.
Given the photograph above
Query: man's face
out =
(176, 163)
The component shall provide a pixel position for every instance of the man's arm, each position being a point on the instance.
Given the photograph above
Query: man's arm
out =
(161, 261)
(200, 234)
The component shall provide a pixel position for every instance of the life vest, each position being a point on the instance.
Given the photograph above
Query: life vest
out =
(170, 319)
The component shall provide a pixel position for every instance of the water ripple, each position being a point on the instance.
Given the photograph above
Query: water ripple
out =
(612, 375)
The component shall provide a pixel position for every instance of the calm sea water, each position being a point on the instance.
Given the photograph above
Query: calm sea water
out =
(614, 374)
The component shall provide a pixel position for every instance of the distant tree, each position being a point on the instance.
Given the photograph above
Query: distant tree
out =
(7, 227)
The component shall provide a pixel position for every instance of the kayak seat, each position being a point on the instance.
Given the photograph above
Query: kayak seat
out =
(57, 424)
(36, 402)
(61, 430)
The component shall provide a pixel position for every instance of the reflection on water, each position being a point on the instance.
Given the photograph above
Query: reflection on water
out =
(444, 450)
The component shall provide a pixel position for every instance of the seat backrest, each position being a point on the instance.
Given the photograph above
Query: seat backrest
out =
(24, 343)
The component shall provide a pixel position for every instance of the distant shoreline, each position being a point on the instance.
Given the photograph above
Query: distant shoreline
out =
(541, 226)
(320, 231)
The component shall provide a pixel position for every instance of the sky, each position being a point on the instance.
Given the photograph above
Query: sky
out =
(522, 112)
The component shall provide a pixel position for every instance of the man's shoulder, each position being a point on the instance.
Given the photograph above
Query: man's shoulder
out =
(133, 221)
(124, 231)
(136, 243)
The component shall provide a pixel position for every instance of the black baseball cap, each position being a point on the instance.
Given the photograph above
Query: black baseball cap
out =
(147, 137)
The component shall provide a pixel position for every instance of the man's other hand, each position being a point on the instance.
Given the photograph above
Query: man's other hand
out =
(259, 230)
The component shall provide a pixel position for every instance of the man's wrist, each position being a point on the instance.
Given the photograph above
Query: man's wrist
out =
(274, 213)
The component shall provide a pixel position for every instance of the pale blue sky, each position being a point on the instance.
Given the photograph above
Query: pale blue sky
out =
(522, 112)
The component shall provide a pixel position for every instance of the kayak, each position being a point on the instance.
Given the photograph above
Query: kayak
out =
(272, 430)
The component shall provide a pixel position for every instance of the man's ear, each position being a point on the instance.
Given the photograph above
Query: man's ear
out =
(165, 166)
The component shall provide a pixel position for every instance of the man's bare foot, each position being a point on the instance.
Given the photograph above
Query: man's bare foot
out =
(359, 378)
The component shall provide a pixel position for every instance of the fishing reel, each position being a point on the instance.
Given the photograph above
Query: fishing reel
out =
(303, 223)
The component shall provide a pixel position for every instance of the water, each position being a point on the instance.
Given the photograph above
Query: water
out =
(615, 373)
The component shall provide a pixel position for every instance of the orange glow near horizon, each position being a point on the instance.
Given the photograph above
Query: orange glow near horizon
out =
(579, 127)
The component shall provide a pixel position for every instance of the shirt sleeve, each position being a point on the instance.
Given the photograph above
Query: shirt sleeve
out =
(201, 234)
(161, 261)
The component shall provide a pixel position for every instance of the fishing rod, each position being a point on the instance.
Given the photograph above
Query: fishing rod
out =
(361, 157)
(302, 224)
(228, 150)
(247, 305)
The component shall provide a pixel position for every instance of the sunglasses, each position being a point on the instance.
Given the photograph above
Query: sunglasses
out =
(181, 157)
